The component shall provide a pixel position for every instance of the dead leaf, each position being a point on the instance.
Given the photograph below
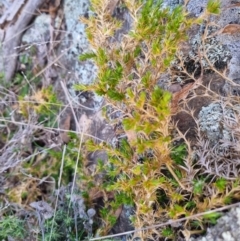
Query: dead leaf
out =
(118, 212)
(97, 192)
(180, 95)
(183, 93)
(231, 29)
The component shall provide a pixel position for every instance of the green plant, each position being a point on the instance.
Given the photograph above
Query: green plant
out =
(159, 178)
(71, 220)
(45, 167)
(167, 232)
(213, 7)
(128, 73)
(212, 218)
(11, 226)
(43, 103)
(198, 186)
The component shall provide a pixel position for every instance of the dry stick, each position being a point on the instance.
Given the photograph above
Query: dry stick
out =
(175, 176)
(25, 77)
(50, 128)
(83, 106)
(50, 103)
(79, 148)
(28, 46)
(168, 222)
(40, 180)
(54, 104)
(71, 105)
(50, 64)
(38, 153)
(59, 183)
(75, 175)
(186, 2)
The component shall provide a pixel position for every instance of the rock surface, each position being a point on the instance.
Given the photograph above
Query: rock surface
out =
(228, 226)
(226, 229)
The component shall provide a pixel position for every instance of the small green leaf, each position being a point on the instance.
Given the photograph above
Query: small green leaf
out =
(125, 149)
(80, 87)
(137, 170)
(130, 93)
(221, 184)
(141, 100)
(212, 217)
(213, 7)
(114, 95)
(227, 200)
(167, 232)
(24, 91)
(146, 79)
(86, 56)
(102, 57)
(176, 211)
(129, 123)
(190, 205)
(178, 154)
(126, 58)
(100, 92)
(137, 51)
(198, 186)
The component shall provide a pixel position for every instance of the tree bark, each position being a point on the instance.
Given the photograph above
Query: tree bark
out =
(12, 26)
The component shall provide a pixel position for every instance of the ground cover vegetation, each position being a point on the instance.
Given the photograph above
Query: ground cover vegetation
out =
(53, 193)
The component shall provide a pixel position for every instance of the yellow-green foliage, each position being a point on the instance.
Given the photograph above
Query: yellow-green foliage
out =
(141, 170)
(128, 74)
(42, 103)
(12, 226)
(44, 166)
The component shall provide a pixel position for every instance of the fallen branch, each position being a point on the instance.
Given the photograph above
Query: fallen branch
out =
(12, 27)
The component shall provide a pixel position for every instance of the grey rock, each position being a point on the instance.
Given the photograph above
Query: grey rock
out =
(196, 7)
(226, 229)
(210, 122)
